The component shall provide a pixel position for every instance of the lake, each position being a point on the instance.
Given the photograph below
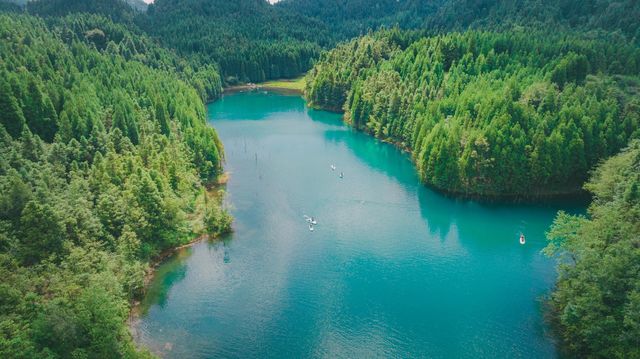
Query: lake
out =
(392, 268)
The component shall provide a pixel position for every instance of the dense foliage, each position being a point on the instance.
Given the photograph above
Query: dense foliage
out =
(117, 10)
(103, 161)
(9, 7)
(597, 299)
(132, 44)
(250, 39)
(104, 149)
(18, 3)
(492, 114)
(110, 23)
(584, 15)
(347, 19)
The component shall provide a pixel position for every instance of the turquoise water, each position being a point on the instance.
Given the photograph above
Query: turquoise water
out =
(392, 269)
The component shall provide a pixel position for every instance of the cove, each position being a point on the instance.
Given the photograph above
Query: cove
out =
(392, 269)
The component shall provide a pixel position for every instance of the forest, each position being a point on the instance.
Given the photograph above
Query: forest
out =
(250, 40)
(511, 110)
(596, 303)
(254, 41)
(106, 159)
(488, 114)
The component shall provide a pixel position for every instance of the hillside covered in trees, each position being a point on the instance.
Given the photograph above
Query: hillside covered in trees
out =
(117, 10)
(524, 106)
(105, 153)
(255, 41)
(252, 40)
(103, 161)
(558, 15)
(490, 114)
(597, 300)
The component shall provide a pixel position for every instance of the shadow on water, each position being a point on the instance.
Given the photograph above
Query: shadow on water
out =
(505, 221)
(171, 271)
(444, 277)
(381, 156)
(225, 243)
(174, 269)
(470, 218)
(327, 118)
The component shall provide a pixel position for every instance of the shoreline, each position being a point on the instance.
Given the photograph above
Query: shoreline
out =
(286, 86)
(137, 328)
(150, 273)
(135, 309)
(536, 198)
(154, 263)
(161, 258)
(254, 87)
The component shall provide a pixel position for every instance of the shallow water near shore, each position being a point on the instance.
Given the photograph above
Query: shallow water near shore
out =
(392, 269)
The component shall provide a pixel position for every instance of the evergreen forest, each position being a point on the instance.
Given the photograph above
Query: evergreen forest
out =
(107, 161)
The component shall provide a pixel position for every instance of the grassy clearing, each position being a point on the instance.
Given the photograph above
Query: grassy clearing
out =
(296, 84)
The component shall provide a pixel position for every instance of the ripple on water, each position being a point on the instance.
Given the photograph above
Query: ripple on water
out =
(391, 270)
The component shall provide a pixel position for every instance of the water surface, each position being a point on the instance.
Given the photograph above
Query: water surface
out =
(393, 269)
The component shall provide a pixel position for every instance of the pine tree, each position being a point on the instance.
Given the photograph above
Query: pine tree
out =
(11, 116)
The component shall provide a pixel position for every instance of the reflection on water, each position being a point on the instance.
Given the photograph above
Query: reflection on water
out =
(392, 269)
(170, 272)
